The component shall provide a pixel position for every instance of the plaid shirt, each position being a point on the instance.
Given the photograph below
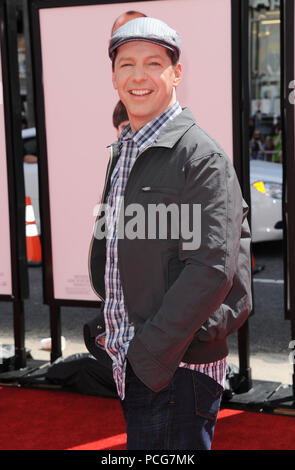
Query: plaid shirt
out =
(119, 332)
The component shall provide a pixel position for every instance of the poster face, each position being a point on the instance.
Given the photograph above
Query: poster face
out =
(5, 254)
(79, 102)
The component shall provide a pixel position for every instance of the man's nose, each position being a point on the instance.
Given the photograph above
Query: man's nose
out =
(139, 73)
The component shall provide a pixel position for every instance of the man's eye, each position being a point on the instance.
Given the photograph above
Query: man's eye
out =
(125, 65)
(155, 63)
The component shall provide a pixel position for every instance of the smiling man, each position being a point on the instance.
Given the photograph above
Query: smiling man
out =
(168, 306)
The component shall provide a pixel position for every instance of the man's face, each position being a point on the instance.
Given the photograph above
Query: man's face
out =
(146, 80)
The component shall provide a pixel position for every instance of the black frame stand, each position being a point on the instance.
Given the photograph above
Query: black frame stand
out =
(248, 393)
(284, 401)
(240, 67)
(244, 359)
(240, 150)
(288, 112)
(275, 397)
(20, 360)
(16, 192)
(55, 329)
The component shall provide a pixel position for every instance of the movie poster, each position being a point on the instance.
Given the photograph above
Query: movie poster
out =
(80, 99)
(5, 253)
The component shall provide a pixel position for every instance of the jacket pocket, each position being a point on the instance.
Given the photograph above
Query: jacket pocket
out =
(172, 267)
(160, 189)
(175, 267)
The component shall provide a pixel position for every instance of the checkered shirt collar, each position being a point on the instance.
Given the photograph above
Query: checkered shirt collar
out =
(147, 134)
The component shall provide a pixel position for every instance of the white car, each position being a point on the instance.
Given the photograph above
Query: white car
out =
(266, 181)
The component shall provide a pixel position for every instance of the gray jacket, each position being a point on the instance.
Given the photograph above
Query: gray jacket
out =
(182, 302)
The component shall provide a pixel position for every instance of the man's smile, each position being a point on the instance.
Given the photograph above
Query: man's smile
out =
(140, 92)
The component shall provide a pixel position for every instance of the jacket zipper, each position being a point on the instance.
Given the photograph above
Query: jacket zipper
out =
(92, 239)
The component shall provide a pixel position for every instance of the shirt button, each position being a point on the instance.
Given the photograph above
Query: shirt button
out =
(131, 323)
(111, 295)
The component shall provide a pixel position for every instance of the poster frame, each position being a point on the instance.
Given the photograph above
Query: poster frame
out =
(287, 113)
(14, 153)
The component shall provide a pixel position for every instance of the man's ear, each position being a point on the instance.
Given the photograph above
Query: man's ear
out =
(177, 74)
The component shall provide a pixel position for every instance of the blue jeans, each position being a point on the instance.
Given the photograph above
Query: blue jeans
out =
(182, 416)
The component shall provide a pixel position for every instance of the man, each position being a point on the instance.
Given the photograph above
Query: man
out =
(169, 302)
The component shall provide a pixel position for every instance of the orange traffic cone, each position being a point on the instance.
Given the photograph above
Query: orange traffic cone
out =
(33, 243)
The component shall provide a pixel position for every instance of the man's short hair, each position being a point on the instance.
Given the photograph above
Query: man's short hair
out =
(119, 114)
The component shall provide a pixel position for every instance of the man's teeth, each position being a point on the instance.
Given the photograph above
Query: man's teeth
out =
(140, 92)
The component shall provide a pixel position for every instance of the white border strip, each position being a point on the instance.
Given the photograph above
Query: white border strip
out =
(269, 281)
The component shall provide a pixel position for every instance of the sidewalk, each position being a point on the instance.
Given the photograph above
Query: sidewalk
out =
(265, 366)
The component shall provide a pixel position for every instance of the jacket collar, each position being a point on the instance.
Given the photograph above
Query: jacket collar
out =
(175, 129)
(172, 132)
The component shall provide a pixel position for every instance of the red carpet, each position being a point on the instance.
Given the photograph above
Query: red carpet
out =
(55, 420)
(241, 430)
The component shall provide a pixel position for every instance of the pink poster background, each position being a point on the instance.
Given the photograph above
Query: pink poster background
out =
(79, 102)
(5, 259)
